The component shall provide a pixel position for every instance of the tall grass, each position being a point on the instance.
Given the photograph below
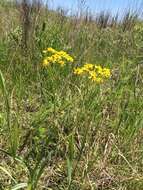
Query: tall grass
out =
(61, 131)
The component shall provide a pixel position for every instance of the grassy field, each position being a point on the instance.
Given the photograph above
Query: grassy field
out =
(66, 130)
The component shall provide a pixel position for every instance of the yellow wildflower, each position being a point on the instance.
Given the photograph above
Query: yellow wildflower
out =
(106, 73)
(50, 59)
(78, 71)
(92, 75)
(69, 58)
(66, 56)
(59, 57)
(94, 72)
(62, 53)
(51, 50)
(56, 58)
(88, 67)
(99, 69)
(62, 63)
(46, 62)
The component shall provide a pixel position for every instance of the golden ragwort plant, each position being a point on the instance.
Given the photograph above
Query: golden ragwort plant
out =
(95, 73)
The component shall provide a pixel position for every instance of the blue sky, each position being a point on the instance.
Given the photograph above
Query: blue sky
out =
(99, 5)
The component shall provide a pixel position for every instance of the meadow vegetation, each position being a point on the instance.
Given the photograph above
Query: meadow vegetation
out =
(71, 100)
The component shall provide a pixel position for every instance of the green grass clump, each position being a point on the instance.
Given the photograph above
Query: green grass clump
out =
(59, 130)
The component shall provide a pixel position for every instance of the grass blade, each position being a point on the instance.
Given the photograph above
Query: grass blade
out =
(19, 186)
(7, 173)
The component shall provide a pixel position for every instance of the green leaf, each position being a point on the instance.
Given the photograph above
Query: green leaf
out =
(71, 147)
(70, 157)
(2, 82)
(69, 170)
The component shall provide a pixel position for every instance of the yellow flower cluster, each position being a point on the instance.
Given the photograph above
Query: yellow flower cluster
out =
(94, 72)
(54, 56)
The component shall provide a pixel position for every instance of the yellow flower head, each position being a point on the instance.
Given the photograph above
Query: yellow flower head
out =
(59, 57)
(92, 75)
(106, 73)
(56, 58)
(46, 62)
(94, 72)
(98, 69)
(62, 63)
(88, 66)
(51, 50)
(66, 56)
(78, 71)
(69, 58)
